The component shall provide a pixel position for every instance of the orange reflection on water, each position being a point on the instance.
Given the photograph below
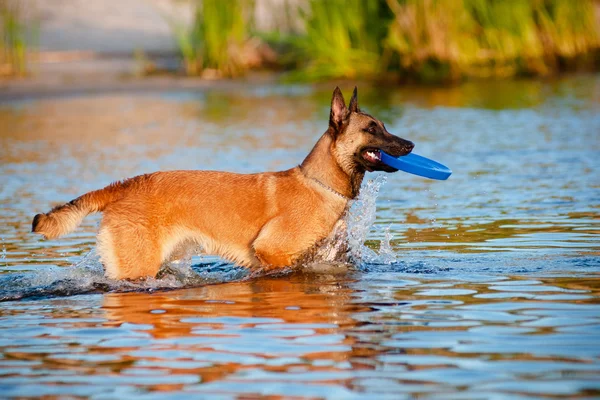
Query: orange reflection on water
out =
(293, 314)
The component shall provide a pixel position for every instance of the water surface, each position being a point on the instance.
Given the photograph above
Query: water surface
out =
(483, 286)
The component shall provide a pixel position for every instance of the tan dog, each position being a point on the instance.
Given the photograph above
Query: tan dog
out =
(265, 220)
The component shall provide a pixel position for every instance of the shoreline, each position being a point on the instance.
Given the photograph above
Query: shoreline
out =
(97, 74)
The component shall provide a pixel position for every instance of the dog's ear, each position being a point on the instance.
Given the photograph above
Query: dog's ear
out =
(353, 107)
(339, 112)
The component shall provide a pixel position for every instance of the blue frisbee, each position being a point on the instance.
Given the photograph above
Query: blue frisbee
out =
(417, 165)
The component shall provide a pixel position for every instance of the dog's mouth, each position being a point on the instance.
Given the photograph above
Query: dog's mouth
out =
(371, 160)
(372, 155)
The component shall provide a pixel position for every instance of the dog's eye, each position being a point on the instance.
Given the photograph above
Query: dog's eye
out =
(371, 129)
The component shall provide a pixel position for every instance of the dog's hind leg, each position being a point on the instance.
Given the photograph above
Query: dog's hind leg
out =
(128, 250)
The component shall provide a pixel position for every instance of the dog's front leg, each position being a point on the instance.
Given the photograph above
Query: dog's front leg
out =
(271, 259)
(280, 242)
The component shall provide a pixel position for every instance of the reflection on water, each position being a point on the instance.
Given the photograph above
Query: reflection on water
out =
(479, 287)
(312, 336)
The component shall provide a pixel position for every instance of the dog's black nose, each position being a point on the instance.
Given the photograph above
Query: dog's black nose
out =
(408, 146)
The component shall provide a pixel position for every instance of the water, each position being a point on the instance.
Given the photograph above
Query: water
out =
(483, 286)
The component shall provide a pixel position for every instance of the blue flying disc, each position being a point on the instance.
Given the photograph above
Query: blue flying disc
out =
(417, 165)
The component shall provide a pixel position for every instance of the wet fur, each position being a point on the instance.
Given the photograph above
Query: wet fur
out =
(265, 220)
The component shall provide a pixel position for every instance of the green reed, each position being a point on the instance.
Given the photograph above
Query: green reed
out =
(424, 40)
(451, 39)
(216, 38)
(342, 39)
(13, 39)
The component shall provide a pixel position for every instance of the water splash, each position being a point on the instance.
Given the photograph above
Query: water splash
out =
(387, 255)
(3, 253)
(87, 276)
(346, 244)
(361, 222)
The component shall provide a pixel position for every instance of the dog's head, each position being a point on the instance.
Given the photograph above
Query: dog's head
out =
(359, 137)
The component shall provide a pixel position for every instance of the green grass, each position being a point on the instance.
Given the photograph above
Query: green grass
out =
(216, 38)
(422, 40)
(342, 39)
(452, 39)
(13, 39)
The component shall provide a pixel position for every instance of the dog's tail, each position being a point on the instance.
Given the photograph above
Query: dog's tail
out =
(65, 218)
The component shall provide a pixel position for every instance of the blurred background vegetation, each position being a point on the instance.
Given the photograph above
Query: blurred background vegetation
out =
(17, 33)
(400, 40)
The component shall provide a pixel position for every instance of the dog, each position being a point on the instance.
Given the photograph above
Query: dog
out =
(265, 220)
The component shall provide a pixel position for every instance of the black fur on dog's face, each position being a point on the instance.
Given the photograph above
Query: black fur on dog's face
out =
(360, 138)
